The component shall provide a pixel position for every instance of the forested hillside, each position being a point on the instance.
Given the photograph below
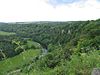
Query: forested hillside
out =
(49, 48)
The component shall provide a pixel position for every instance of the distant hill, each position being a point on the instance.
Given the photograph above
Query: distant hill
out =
(2, 23)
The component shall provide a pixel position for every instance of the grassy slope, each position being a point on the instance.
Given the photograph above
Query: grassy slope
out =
(17, 61)
(6, 33)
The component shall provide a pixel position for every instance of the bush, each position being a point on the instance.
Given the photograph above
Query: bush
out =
(83, 64)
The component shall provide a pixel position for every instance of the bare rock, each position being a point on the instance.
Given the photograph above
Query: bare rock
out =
(96, 71)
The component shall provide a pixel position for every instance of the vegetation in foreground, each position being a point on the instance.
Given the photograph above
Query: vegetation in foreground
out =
(18, 61)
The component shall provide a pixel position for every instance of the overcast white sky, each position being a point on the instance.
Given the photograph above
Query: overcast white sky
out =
(48, 10)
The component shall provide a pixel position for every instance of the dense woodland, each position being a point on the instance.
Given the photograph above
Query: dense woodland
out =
(49, 48)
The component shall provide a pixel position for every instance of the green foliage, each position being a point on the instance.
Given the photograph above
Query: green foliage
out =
(16, 62)
(83, 64)
(78, 65)
(31, 44)
(84, 45)
(73, 48)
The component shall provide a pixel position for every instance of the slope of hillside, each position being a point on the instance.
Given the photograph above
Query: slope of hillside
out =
(18, 61)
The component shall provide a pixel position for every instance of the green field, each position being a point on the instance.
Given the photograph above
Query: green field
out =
(18, 61)
(6, 33)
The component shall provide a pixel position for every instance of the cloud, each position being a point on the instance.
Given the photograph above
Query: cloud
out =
(40, 10)
(62, 1)
(98, 0)
(66, 2)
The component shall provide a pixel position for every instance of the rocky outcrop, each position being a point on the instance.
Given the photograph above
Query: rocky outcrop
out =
(96, 71)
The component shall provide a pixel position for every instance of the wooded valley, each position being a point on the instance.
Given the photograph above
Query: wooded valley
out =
(49, 48)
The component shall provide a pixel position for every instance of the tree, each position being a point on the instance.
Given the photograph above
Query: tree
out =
(19, 45)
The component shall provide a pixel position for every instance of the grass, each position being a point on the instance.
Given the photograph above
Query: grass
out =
(18, 61)
(6, 33)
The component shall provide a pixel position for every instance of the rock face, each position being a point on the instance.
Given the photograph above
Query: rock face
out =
(96, 71)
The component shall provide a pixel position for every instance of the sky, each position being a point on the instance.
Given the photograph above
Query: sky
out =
(48, 10)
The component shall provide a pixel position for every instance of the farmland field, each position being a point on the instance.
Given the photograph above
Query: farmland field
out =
(6, 33)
